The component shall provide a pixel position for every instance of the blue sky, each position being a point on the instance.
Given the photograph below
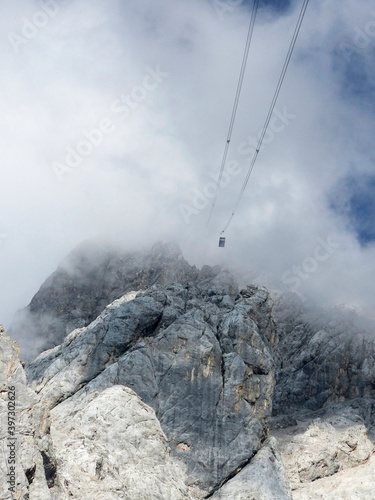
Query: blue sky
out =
(280, 5)
(362, 208)
(357, 77)
(355, 193)
(277, 4)
(354, 199)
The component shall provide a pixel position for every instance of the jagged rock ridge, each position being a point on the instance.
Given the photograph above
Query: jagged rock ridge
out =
(89, 279)
(205, 357)
(325, 355)
(194, 355)
(198, 351)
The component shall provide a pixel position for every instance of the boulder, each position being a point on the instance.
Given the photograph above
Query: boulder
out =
(264, 478)
(110, 445)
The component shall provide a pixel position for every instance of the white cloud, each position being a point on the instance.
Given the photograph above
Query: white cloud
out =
(65, 79)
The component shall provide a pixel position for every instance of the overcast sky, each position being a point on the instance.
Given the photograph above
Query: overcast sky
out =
(114, 116)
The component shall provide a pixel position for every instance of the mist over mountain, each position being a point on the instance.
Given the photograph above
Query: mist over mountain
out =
(88, 279)
(208, 380)
(69, 66)
(180, 370)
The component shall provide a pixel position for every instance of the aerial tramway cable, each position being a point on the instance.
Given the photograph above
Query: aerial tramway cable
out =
(269, 115)
(236, 101)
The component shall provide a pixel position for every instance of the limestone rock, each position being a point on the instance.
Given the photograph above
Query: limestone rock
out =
(324, 449)
(351, 484)
(194, 354)
(323, 355)
(18, 448)
(160, 380)
(110, 445)
(264, 478)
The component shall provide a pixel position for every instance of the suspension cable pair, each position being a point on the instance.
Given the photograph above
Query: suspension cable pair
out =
(269, 114)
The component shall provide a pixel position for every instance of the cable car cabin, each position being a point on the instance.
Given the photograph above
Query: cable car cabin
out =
(221, 242)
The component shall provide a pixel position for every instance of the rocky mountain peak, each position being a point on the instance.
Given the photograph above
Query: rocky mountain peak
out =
(169, 250)
(165, 381)
(88, 279)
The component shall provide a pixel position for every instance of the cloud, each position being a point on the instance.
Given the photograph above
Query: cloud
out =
(89, 63)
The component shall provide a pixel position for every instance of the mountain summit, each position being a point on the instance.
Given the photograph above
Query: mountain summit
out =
(164, 381)
(89, 278)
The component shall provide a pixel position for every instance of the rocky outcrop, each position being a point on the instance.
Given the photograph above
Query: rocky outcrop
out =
(90, 278)
(198, 351)
(351, 484)
(324, 355)
(264, 478)
(194, 354)
(106, 445)
(325, 446)
(22, 470)
(322, 446)
(109, 445)
(324, 406)
(161, 379)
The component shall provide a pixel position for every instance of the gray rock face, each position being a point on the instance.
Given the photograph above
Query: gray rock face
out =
(264, 478)
(90, 278)
(194, 354)
(162, 382)
(324, 402)
(106, 445)
(323, 356)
